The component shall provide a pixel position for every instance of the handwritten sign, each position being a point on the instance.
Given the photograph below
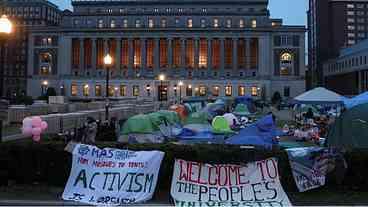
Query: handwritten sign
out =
(112, 176)
(309, 166)
(255, 184)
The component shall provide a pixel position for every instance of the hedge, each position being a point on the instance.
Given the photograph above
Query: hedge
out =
(48, 163)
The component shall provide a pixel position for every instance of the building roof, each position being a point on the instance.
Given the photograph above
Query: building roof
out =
(361, 46)
(110, 2)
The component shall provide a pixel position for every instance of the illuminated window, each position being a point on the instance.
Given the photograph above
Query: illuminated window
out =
(75, 53)
(176, 52)
(228, 53)
(86, 90)
(202, 91)
(189, 56)
(228, 23)
(216, 91)
(74, 89)
(228, 91)
(190, 23)
(100, 23)
(137, 53)
(215, 23)
(177, 21)
(125, 23)
(135, 90)
(98, 90)
(123, 89)
(150, 51)
(124, 53)
(241, 91)
(163, 53)
(189, 90)
(113, 23)
(151, 23)
(254, 91)
(216, 59)
(137, 23)
(203, 53)
(241, 23)
(163, 22)
(286, 63)
(111, 91)
(241, 54)
(254, 23)
(45, 63)
(203, 23)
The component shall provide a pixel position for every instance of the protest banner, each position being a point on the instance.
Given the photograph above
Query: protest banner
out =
(112, 176)
(254, 184)
(309, 166)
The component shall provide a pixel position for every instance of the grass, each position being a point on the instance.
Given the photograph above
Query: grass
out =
(11, 130)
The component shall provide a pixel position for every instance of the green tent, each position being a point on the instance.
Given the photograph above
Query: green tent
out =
(171, 116)
(221, 126)
(241, 110)
(140, 124)
(350, 130)
(198, 118)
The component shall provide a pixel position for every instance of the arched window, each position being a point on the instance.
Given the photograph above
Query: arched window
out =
(286, 64)
(45, 63)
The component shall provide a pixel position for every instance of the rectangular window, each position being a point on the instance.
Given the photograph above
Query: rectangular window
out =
(150, 51)
(216, 91)
(176, 53)
(100, 53)
(125, 23)
(241, 23)
(135, 90)
(228, 91)
(189, 56)
(98, 90)
(74, 89)
(111, 91)
(286, 91)
(228, 46)
(88, 53)
(215, 23)
(137, 53)
(124, 53)
(202, 91)
(86, 90)
(241, 91)
(254, 53)
(190, 23)
(163, 53)
(123, 90)
(254, 91)
(75, 53)
(254, 23)
(203, 53)
(150, 23)
(111, 45)
(215, 51)
(189, 90)
(241, 54)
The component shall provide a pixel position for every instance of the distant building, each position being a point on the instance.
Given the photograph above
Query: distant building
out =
(217, 48)
(348, 73)
(332, 25)
(24, 14)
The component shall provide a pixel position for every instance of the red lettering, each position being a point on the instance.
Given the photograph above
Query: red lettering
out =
(260, 165)
(199, 175)
(274, 168)
(240, 175)
(183, 175)
(220, 175)
(191, 173)
(209, 176)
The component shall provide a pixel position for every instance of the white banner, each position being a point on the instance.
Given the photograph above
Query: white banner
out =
(112, 176)
(255, 184)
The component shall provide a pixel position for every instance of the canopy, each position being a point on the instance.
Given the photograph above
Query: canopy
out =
(221, 126)
(246, 100)
(319, 96)
(357, 100)
(350, 130)
(262, 133)
(241, 110)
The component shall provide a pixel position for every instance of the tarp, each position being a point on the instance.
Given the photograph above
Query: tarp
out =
(231, 119)
(357, 100)
(262, 133)
(241, 110)
(196, 132)
(221, 126)
(198, 118)
(350, 130)
(171, 116)
(248, 101)
(140, 123)
(214, 109)
(181, 110)
(319, 96)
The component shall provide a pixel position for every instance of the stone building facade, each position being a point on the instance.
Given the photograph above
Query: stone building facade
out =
(216, 48)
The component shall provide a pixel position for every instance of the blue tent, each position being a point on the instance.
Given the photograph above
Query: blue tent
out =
(214, 109)
(197, 133)
(246, 100)
(262, 133)
(357, 100)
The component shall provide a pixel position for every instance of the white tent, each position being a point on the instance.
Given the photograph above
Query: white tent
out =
(319, 96)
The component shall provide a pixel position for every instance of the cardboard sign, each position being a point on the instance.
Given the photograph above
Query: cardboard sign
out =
(112, 176)
(309, 166)
(255, 184)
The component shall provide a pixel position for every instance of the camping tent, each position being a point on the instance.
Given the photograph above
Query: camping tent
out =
(196, 132)
(241, 110)
(170, 116)
(181, 110)
(231, 119)
(221, 126)
(357, 100)
(262, 133)
(319, 96)
(246, 100)
(214, 109)
(198, 118)
(350, 130)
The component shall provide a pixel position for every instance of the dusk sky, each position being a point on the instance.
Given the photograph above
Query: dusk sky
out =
(293, 12)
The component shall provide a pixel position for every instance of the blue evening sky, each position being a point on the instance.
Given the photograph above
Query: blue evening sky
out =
(293, 12)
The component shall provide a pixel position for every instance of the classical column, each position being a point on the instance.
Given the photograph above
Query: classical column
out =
(170, 53)
(182, 53)
(196, 54)
(106, 46)
(94, 55)
(143, 56)
(81, 54)
(118, 55)
(222, 56)
(157, 56)
(235, 53)
(247, 53)
(130, 58)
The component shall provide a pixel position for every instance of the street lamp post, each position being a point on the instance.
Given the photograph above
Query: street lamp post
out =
(161, 78)
(180, 85)
(6, 28)
(107, 62)
(44, 87)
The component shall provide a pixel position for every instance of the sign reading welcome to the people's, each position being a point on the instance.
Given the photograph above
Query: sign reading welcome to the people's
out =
(254, 184)
(112, 176)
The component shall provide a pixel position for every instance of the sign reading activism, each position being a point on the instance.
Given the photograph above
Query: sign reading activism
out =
(309, 166)
(255, 184)
(112, 176)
